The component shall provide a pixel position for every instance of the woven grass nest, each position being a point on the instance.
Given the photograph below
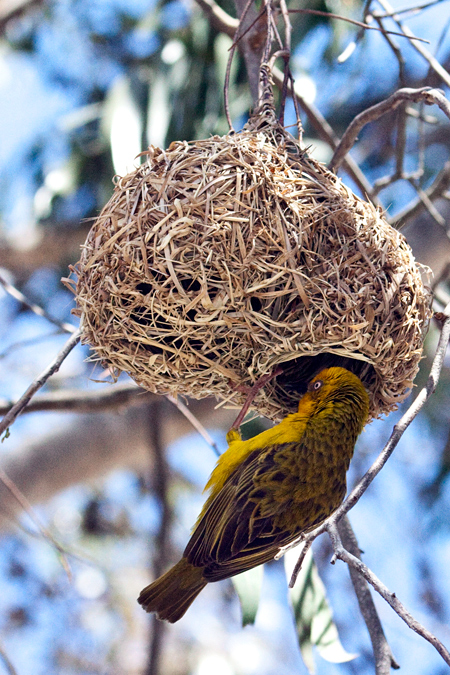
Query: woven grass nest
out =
(217, 259)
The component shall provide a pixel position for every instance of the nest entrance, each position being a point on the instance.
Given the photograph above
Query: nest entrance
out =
(292, 383)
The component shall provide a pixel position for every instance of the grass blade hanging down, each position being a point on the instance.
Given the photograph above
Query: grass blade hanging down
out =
(313, 615)
(248, 587)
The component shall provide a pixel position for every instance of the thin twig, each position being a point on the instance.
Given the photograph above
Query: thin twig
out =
(365, 26)
(109, 398)
(423, 51)
(391, 598)
(426, 94)
(401, 112)
(194, 421)
(39, 382)
(435, 190)
(407, 10)
(26, 506)
(18, 295)
(384, 659)
(326, 133)
(6, 661)
(428, 204)
(397, 53)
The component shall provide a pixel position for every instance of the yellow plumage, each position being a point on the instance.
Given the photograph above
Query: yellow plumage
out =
(266, 491)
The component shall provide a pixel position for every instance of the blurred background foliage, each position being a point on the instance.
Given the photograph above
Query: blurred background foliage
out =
(85, 87)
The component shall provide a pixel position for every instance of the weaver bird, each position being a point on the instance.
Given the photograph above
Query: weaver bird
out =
(266, 491)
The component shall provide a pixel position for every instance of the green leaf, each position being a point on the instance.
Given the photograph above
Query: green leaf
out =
(313, 615)
(248, 587)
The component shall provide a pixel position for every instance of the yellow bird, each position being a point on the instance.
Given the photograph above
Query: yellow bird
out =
(266, 491)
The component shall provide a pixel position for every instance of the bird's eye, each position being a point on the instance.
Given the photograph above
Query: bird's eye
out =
(315, 386)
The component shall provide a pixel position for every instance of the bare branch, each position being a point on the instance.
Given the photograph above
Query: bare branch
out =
(198, 426)
(412, 9)
(110, 398)
(423, 51)
(384, 659)
(219, 18)
(326, 133)
(436, 190)
(425, 94)
(6, 661)
(15, 411)
(18, 295)
(365, 26)
(341, 554)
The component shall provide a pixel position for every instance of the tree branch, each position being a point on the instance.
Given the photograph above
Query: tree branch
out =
(439, 186)
(342, 554)
(218, 18)
(161, 547)
(253, 29)
(226, 24)
(423, 51)
(20, 297)
(100, 400)
(15, 411)
(425, 95)
(384, 659)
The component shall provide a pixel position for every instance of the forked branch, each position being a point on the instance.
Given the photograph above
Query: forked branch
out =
(425, 95)
(342, 554)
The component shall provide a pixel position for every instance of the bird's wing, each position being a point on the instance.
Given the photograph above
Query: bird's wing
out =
(237, 529)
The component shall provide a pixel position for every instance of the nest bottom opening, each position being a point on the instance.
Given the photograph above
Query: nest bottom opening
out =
(292, 383)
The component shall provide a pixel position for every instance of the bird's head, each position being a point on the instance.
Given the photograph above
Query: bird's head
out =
(336, 389)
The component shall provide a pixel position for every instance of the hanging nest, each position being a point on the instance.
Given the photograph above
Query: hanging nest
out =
(218, 259)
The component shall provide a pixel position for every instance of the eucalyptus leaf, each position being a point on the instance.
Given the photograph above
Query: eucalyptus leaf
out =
(248, 587)
(313, 615)
(122, 124)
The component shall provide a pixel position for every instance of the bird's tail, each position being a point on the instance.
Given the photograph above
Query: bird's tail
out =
(172, 594)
